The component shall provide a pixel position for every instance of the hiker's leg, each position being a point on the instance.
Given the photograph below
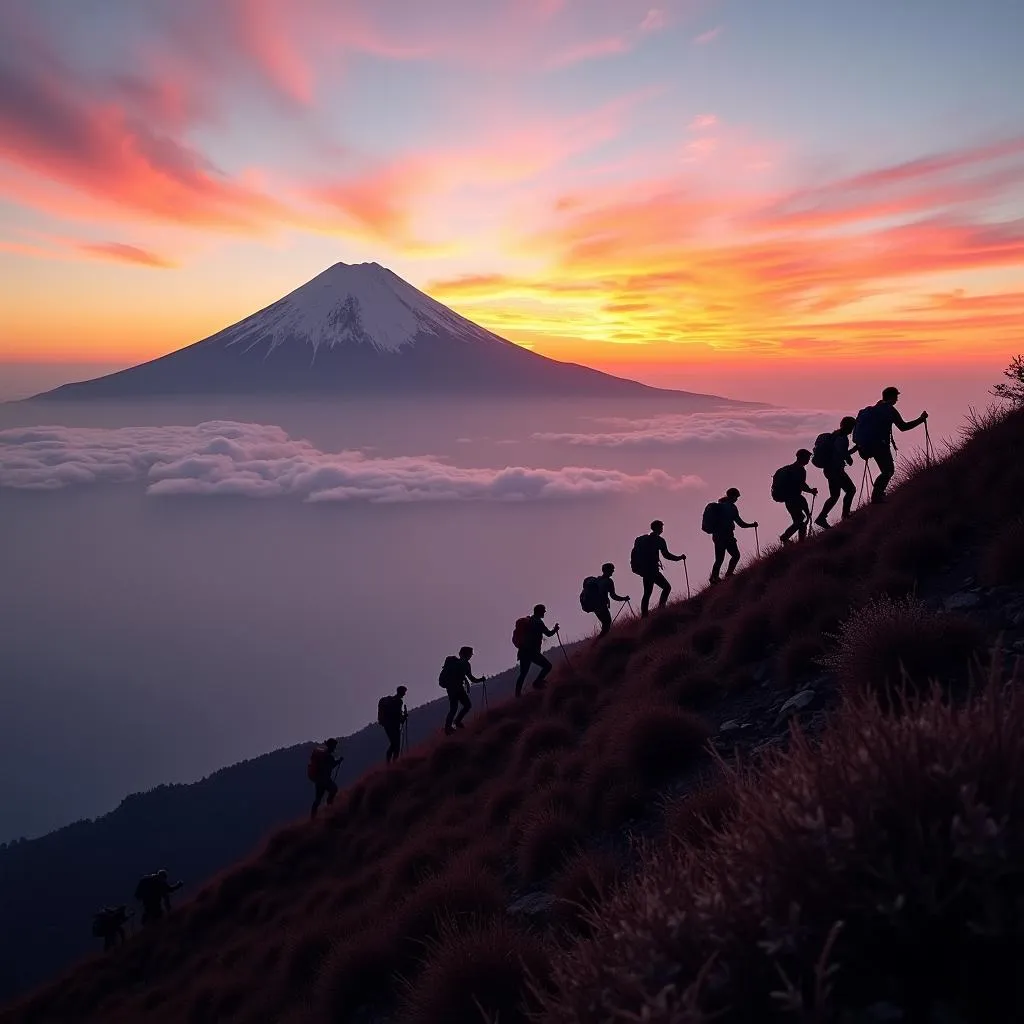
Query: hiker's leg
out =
(734, 555)
(394, 742)
(453, 707)
(849, 493)
(720, 547)
(604, 616)
(645, 601)
(321, 791)
(835, 488)
(524, 668)
(796, 513)
(332, 791)
(545, 668)
(466, 707)
(886, 471)
(666, 589)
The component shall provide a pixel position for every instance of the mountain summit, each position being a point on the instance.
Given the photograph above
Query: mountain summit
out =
(355, 329)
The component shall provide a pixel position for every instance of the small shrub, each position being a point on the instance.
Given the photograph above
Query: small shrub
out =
(585, 879)
(477, 973)
(504, 803)
(306, 957)
(890, 641)
(749, 636)
(808, 599)
(543, 737)
(800, 657)
(1002, 561)
(657, 741)
(691, 820)
(706, 640)
(547, 839)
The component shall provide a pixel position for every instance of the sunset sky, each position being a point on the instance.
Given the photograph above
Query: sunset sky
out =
(609, 181)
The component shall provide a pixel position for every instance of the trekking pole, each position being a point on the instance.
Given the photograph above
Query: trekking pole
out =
(483, 683)
(810, 518)
(757, 542)
(565, 654)
(927, 445)
(622, 604)
(686, 576)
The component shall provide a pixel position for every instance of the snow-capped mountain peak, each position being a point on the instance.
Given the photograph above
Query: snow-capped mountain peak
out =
(363, 304)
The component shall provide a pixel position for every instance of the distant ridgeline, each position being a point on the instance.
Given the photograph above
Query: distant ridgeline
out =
(51, 886)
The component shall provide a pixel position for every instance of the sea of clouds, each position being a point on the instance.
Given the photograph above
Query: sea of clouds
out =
(704, 428)
(262, 461)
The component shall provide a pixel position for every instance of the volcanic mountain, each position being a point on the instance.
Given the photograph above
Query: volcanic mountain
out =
(355, 329)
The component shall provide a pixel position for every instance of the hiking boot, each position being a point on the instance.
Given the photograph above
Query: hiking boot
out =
(539, 685)
(877, 499)
(785, 540)
(460, 725)
(448, 730)
(823, 523)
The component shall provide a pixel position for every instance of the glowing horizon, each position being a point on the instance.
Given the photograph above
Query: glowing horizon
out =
(615, 183)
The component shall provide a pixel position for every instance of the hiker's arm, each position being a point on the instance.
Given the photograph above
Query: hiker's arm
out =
(474, 679)
(175, 887)
(615, 597)
(746, 526)
(550, 632)
(899, 422)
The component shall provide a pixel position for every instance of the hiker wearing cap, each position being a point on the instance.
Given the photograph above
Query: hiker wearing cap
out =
(872, 434)
(789, 485)
(528, 638)
(154, 893)
(391, 716)
(720, 520)
(320, 771)
(645, 561)
(832, 454)
(454, 678)
(597, 594)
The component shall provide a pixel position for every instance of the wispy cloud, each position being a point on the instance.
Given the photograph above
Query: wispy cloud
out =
(120, 252)
(708, 37)
(654, 21)
(259, 461)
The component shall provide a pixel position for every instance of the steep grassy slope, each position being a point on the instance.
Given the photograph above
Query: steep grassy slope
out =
(196, 830)
(410, 901)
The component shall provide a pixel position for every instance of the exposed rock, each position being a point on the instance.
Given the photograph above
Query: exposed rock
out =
(533, 904)
(798, 702)
(732, 726)
(961, 601)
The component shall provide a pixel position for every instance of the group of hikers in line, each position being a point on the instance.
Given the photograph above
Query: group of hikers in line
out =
(871, 433)
(152, 891)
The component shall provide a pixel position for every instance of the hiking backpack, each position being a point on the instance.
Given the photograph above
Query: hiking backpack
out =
(521, 632)
(146, 886)
(712, 518)
(590, 595)
(823, 451)
(100, 921)
(382, 710)
(452, 672)
(784, 486)
(643, 559)
(315, 760)
(869, 432)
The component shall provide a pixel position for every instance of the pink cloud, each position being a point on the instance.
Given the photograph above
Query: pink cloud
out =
(123, 253)
(581, 52)
(654, 20)
(702, 122)
(708, 37)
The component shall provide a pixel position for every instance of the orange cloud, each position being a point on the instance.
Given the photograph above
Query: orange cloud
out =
(123, 253)
(688, 266)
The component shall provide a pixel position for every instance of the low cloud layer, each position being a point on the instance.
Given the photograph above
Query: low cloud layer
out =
(704, 428)
(259, 461)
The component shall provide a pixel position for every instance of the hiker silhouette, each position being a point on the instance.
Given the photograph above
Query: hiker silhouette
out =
(872, 433)
(832, 454)
(720, 521)
(320, 771)
(789, 485)
(645, 562)
(527, 638)
(108, 925)
(391, 715)
(455, 672)
(597, 594)
(154, 892)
